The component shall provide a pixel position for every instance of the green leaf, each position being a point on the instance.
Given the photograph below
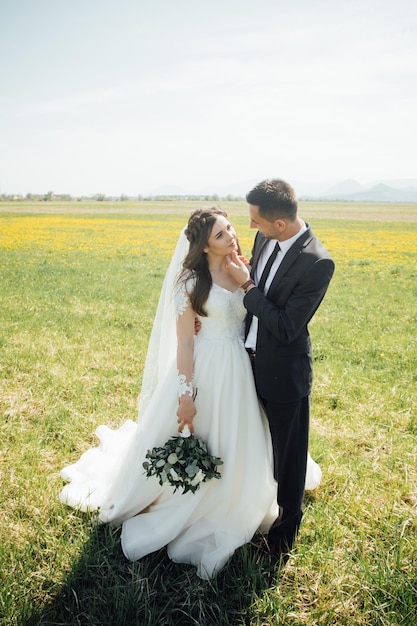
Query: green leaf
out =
(191, 470)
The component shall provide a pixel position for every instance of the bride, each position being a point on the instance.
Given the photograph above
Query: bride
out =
(203, 381)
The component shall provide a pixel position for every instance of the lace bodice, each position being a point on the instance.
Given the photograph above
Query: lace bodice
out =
(225, 309)
(226, 315)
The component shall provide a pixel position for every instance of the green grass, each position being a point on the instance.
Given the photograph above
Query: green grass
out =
(336, 210)
(73, 337)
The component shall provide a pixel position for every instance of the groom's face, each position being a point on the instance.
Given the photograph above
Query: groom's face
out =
(267, 228)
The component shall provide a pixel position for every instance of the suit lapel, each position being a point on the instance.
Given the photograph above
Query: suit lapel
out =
(291, 256)
(260, 243)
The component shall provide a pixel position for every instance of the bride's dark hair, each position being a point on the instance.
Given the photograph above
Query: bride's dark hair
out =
(198, 231)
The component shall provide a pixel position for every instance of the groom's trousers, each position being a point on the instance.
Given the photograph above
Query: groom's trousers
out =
(289, 426)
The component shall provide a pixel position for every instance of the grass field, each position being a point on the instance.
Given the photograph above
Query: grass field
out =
(79, 285)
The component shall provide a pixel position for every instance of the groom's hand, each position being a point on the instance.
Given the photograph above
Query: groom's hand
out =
(197, 326)
(238, 267)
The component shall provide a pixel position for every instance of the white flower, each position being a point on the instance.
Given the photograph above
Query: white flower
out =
(186, 431)
(174, 474)
(198, 478)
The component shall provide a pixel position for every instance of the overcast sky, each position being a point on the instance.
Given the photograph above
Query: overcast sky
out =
(124, 96)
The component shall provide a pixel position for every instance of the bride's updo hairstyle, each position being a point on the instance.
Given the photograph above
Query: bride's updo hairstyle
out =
(195, 264)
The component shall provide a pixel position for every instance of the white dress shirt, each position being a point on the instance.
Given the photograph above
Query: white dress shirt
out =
(263, 259)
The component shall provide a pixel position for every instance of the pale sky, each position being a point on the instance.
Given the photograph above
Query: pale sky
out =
(124, 96)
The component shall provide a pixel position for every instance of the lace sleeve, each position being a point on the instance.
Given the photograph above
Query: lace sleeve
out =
(185, 387)
(182, 305)
(181, 295)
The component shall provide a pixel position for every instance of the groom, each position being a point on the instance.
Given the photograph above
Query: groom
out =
(291, 271)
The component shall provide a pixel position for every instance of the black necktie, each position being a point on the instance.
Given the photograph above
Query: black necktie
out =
(268, 266)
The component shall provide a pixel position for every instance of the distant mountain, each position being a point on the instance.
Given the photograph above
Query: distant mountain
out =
(241, 188)
(349, 190)
(402, 183)
(380, 192)
(346, 187)
(311, 189)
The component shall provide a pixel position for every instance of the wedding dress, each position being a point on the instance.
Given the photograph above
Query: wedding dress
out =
(206, 527)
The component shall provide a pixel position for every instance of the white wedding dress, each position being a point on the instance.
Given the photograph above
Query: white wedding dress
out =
(204, 528)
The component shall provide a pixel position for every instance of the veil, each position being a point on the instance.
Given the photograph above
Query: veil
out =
(162, 346)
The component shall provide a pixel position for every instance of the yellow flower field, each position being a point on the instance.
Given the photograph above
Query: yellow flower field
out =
(89, 234)
(348, 242)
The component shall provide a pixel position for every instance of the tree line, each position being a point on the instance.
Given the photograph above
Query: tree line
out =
(101, 197)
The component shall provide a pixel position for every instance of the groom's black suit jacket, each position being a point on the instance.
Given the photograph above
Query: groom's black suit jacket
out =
(283, 364)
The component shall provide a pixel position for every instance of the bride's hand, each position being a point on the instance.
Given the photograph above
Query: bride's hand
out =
(186, 413)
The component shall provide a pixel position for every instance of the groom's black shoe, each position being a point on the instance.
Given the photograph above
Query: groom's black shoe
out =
(278, 554)
(272, 554)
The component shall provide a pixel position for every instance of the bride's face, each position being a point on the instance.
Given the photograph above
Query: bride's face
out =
(222, 238)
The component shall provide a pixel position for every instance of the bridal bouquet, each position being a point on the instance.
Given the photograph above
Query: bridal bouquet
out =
(184, 462)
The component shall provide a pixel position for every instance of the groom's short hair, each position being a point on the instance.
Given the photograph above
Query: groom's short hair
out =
(274, 198)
